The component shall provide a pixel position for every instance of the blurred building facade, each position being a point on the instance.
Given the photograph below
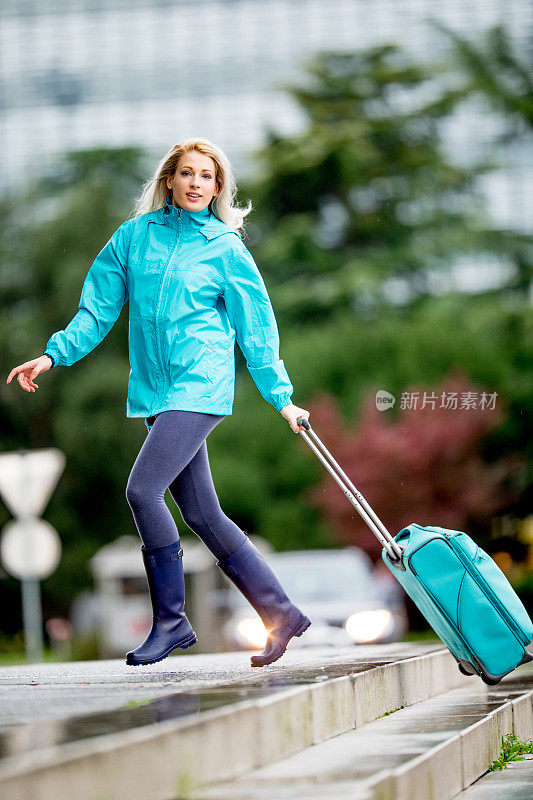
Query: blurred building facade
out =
(86, 73)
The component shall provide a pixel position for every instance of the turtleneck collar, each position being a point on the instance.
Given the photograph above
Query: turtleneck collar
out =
(198, 216)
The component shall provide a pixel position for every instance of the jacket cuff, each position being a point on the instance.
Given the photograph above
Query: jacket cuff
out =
(50, 356)
(283, 401)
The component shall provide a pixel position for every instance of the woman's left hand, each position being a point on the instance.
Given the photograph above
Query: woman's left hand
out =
(291, 414)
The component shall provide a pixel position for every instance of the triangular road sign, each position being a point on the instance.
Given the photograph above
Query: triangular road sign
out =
(28, 478)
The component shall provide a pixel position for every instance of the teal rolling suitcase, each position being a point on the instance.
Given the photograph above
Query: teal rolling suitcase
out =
(458, 587)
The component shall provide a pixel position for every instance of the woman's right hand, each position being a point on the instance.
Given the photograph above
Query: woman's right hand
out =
(28, 371)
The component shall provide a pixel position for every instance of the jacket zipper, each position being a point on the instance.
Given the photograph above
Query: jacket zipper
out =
(486, 588)
(164, 282)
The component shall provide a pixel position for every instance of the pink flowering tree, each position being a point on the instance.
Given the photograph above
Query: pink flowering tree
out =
(421, 462)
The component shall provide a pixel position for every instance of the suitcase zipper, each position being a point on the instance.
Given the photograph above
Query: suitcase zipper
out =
(428, 591)
(449, 538)
(478, 577)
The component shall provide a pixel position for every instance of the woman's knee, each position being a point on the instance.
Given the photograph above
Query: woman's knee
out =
(194, 519)
(216, 530)
(136, 491)
(201, 518)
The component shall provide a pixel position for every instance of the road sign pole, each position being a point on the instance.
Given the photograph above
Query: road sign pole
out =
(30, 587)
(30, 547)
(32, 619)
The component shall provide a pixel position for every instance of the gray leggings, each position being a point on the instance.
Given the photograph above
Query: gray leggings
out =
(174, 457)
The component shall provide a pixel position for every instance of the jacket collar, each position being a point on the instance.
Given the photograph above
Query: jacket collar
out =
(207, 222)
(197, 216)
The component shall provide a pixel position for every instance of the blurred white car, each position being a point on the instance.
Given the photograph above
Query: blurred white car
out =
(347, 600)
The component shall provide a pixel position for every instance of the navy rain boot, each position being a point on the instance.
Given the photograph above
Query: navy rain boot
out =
(252, 575)
(170, 626)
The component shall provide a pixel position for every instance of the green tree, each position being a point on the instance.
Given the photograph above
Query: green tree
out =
(490, 69)
(364, 202)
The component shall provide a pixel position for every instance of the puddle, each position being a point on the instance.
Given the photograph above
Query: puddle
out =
(142, 711)
(438, 724)
(315, 674)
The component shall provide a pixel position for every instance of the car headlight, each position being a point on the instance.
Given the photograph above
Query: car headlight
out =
(367, 626)
(252, 632)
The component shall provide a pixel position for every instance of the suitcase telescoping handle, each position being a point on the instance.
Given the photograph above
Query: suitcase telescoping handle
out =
(354, 496)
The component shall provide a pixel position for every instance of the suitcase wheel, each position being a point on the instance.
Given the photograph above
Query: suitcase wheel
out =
(466, 668)
(490, 681)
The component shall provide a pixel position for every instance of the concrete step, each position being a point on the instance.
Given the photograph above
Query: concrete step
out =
(431, 750)
(313, 695)
(513, 783)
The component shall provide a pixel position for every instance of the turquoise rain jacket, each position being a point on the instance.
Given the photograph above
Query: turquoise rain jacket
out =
(193, 288)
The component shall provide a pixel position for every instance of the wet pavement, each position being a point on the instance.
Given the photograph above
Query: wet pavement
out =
(100, 723)
(47, 704)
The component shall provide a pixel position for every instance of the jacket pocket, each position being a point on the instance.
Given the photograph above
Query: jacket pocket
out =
(209, 370)
(217, 367)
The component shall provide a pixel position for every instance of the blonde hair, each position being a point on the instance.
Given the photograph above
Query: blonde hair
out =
(155, 189)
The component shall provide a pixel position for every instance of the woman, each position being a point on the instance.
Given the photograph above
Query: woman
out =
(193, 287)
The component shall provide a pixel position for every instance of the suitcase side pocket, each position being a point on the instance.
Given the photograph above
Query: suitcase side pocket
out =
(488, 635)
(493, 583)
(446, 578)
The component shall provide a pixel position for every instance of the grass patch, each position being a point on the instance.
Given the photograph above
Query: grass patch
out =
(388, 713)
(186, 787)
(142, 701)
(420, 636)
(512, 750)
